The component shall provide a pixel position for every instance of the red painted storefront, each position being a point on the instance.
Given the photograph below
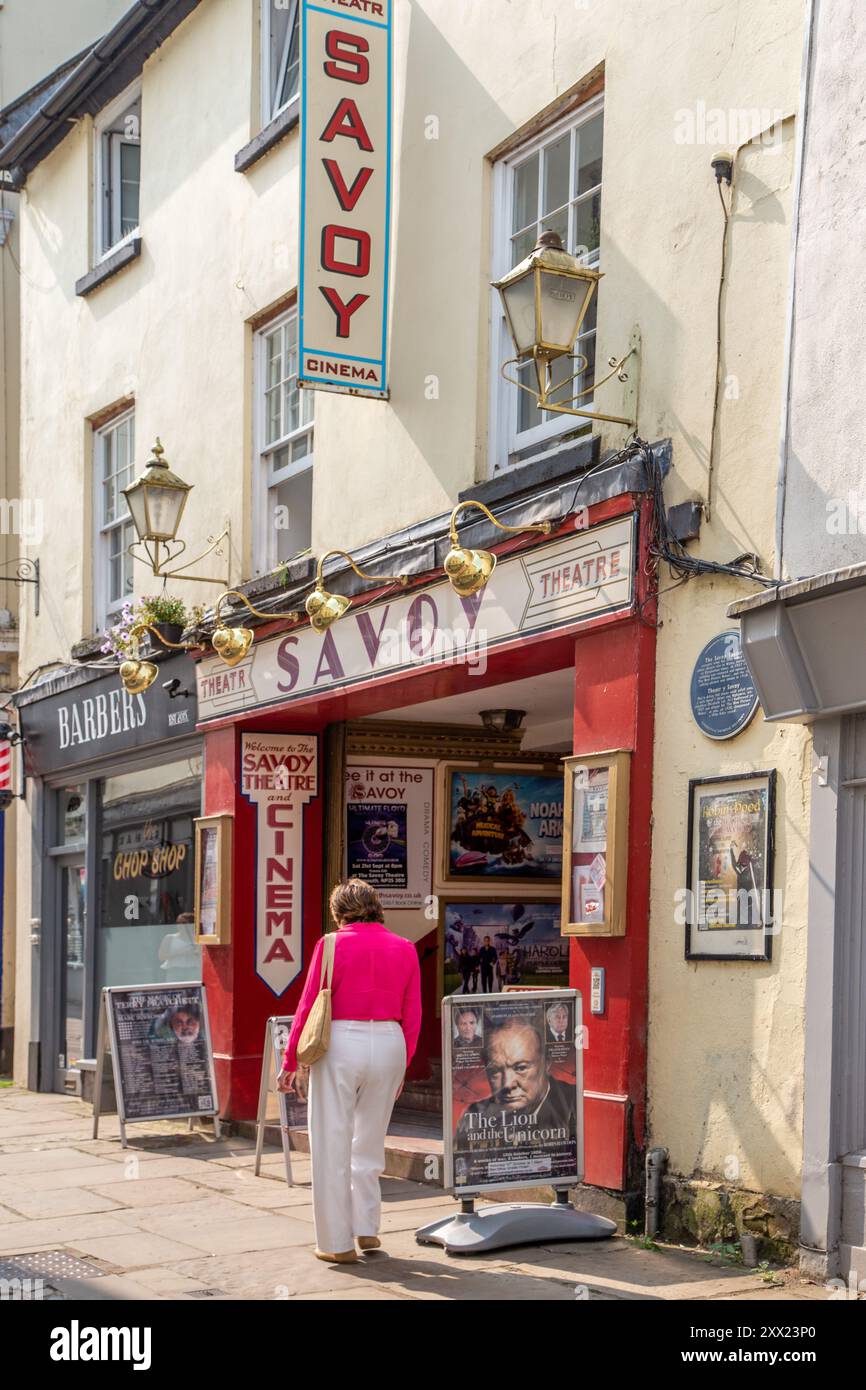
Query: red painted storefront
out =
(613, 658)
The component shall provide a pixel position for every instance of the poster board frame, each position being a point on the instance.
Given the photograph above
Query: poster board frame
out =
(564, 1181)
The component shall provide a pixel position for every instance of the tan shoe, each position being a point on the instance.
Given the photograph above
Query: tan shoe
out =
(342, 1257)
(369, 1243)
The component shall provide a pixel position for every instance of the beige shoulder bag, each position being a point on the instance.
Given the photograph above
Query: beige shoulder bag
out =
(316, 1033)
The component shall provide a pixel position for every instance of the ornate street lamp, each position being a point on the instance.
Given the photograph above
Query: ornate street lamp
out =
(546, 298)
(156, 503)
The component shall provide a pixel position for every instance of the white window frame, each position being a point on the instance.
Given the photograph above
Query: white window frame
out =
(269, 111)
(109, 177)
(264, 534)
(106, 613)
(503, 438)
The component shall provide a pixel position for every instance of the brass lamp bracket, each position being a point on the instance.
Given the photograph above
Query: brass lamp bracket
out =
(159, 554)
(547, 390)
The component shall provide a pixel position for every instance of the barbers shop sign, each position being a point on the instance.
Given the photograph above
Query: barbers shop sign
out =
(345, 195)
(68, 727)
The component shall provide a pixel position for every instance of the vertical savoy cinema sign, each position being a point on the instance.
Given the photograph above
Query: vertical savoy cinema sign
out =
(345, 194)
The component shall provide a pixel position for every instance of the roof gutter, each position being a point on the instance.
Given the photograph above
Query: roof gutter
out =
(44, 129)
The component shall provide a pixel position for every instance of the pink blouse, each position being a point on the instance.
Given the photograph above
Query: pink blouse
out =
(376, 975)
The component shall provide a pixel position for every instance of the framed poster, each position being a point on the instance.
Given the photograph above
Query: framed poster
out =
(594, 869)
(213, 880)
(729, 877)
(503, 825)
(389, 830)
(513, 1102)
(489, 946)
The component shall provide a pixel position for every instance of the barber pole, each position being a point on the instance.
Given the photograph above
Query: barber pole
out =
(345, 195)
(7, 795)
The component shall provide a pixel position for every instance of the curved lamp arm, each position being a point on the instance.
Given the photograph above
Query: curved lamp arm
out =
(236, 593)
(362, 574)
(544, 526)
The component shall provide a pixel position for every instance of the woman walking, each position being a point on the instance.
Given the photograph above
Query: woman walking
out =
(376, 1018)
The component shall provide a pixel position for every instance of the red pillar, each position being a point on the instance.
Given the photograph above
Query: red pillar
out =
(239, 1002)
(614, 694)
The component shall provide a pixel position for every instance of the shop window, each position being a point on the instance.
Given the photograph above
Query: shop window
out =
(281, 57)
(285, 449)
(146, 892)
(113, 470)
(118, 169)
(552, 183)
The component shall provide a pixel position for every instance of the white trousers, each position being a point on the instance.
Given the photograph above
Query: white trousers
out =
(352, 1093)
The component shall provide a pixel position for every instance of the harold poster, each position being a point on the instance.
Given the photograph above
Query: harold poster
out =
(491, 945)
(505, 825)
(515, 1090)
(389, 830)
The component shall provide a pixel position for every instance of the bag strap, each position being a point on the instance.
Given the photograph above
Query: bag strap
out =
(326, 979)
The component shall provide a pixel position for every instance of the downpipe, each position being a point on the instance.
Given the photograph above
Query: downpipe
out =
(656, 1160)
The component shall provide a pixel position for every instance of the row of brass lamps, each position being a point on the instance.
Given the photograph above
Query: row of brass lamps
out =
(545, 299)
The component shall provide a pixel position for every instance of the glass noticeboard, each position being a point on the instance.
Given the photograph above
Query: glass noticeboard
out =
(595, 860)
(213, 879)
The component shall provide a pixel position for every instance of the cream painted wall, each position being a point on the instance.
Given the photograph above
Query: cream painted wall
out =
(220, 247)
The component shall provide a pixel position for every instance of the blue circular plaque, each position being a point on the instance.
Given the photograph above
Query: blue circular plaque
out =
(723, 694)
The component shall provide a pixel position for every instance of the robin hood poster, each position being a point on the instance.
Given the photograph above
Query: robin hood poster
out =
(729, 900)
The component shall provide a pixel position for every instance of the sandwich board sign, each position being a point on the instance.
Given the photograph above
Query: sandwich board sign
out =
(161, 1054)
(293, 1112)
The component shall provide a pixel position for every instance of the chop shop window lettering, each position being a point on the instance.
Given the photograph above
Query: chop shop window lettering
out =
(147, 925)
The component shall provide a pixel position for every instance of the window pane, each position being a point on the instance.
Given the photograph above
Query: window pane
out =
(108, 501)
(557, 158)
(291, 514)
(307, 401)
(274, 355)
(525, 194)
(301, 447)
(291, 405)
(273, 428)
(557, 222)
(130, 180)
(587, 151)
(278, 459)
(290, 80)
(522, 245)
(587, 226)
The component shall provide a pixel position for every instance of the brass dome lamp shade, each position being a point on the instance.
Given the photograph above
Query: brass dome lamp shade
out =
(467, 571)
(137, 675)
(545, 299)
(324, 608)
(231, 644)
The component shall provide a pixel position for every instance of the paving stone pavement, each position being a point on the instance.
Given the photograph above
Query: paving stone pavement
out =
(180, 1216)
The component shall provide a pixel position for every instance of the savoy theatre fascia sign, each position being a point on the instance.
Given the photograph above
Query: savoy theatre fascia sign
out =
(585, 575)
(345, 195)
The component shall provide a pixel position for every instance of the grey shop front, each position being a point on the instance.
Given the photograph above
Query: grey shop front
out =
(803, 641)
(113, 785)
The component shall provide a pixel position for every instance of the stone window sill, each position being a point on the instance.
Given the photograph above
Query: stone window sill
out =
(123, 256)
(275, 131)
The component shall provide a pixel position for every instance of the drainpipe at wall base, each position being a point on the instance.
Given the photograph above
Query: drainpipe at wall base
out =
(655, 1164)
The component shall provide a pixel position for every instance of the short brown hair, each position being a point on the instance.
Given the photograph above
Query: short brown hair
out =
(356, 901)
